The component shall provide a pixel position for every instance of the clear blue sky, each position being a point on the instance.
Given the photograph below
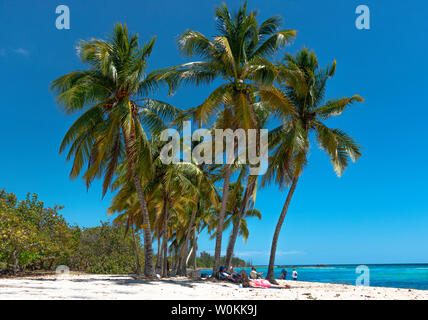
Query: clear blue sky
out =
(376, 213)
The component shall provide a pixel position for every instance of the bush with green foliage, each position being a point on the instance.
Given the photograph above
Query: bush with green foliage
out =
(106, 249)
(35, 237)
(31, 235)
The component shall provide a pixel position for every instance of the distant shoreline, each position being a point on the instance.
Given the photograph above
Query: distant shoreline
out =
(297, 266)
(339, 264)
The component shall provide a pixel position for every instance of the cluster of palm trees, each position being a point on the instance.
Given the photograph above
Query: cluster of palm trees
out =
(116, 138)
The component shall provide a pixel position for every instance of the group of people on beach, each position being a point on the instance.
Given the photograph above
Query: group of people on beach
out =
(232, 275)
(284, 274)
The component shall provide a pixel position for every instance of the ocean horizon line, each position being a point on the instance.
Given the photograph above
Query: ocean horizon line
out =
(340, 264)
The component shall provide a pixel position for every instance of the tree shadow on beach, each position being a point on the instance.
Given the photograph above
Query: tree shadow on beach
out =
(119, 280)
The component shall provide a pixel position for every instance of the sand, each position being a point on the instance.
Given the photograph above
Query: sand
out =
(114, 287)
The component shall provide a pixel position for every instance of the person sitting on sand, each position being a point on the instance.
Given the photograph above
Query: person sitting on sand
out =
(232, 273)
(283, 274)
(223, 272)
(294, 274)
(254, 274)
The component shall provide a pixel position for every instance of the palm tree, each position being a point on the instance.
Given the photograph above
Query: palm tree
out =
(113, 90)
(174, 189)
(206, 197)
(234, 215)
(303, 85)
(243, 207)
(237, 55)
(262, 112)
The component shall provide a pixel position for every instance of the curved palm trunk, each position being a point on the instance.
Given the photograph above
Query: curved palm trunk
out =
(236, 225)
(221, 219)
(182, 265)
(193, 248)
(270, 275)
(149, 270)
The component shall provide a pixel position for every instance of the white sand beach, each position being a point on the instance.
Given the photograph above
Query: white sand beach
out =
(114, 287)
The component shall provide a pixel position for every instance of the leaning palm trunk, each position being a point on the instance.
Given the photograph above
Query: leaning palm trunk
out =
(270, 275)
(194, 247)
(235, 230)
(221, 218)
(182, 264)
(149, 270)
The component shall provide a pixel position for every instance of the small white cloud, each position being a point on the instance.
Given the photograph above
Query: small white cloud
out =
(21, 51)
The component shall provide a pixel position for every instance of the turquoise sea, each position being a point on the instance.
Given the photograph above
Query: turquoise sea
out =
(412, 276)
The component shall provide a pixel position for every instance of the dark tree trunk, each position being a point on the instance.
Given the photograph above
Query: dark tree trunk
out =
(236, 225)
(221, 218)
(159, 256)
(177, 265)
(15, 256)
(271, 266)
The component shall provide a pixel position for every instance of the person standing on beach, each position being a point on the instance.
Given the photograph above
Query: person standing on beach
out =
(294, 274)
(283, 274)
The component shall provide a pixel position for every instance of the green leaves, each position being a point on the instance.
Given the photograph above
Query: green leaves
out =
(299, 106)
(338, 145)
(192, 43)
(335, 107)
(273, 43)
(31, 235)
(109, 88)
(278, 101)
(236, 55)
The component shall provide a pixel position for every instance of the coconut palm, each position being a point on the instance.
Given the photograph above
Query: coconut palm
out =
(112, 93)
(243, 206)
(262, 113)
(303, 85)
(206, 197)
(173, 186)
(234, 216)
(237, 55)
